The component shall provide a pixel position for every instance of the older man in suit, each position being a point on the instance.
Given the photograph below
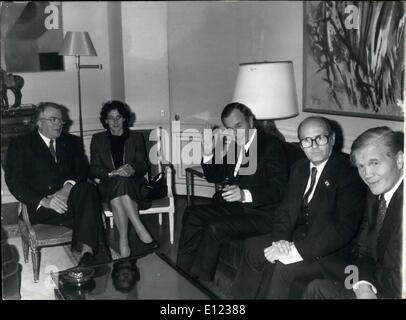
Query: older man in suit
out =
(47, 170)
(254, 173)
(377, 265)
(317, 220)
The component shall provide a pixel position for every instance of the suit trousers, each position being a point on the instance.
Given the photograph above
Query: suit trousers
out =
(285, 275)
(257, 278)
(207, 227)
(254, 273)
(327, 289)
(83, 217)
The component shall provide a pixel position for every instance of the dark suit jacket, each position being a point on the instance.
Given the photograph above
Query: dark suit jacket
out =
(380, 259)
(31, 172)
(135, 154)
(336, 210)
(268, 184)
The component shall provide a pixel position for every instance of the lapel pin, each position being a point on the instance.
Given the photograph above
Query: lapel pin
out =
(327, 183)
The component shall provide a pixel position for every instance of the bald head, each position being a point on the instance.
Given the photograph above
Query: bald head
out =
(316, 139)
(317, 121)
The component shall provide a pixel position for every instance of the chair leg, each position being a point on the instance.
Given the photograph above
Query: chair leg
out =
(160, 219)
(171, 227)
(26, 250)
(35, 255)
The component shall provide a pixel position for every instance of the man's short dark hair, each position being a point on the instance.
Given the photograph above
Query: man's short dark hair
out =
(122, 108)
(378, 135)
(237, 106)
(43, 105)
(324, 120)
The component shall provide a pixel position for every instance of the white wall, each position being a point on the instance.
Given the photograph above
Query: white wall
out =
(207, 41)
(61, 86)
(145, 52)
(114, 22)
(203, 54)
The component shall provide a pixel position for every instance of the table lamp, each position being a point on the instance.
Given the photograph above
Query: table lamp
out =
(269, 90)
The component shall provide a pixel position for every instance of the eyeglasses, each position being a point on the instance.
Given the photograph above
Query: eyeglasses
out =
(320, 140)
(118, 118)
(54, 120)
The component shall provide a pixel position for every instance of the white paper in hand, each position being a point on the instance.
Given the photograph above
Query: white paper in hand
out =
(294, 256)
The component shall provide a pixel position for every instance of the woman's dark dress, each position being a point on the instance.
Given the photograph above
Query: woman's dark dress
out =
(117, 186)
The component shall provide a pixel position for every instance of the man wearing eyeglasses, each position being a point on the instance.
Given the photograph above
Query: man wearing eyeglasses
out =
(377, 265)
(47, 170)
(317, 220)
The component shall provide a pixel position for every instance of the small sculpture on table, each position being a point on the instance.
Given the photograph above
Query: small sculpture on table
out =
(8, 81)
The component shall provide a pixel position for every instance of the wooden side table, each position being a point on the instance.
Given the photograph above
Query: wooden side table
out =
(190, 172)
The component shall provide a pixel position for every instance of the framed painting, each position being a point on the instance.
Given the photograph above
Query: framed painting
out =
(353, 58)
(31, 36)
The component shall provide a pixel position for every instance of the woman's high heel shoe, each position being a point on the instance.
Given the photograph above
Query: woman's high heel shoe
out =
(151, 246)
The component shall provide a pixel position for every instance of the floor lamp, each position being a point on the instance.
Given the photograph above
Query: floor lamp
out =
(78, 43)
(269, 90)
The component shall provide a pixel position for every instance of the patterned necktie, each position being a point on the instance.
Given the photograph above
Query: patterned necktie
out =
(312, 183)
(381, 213)
(52, 149)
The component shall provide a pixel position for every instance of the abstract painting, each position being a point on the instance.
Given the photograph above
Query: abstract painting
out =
(31, 36)
(353, 58)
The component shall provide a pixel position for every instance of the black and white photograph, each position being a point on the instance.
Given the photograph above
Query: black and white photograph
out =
(201, 155)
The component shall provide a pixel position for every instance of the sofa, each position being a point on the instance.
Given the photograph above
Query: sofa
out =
(231, 253)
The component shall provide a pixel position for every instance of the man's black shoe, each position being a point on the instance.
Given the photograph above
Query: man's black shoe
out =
(87, 260)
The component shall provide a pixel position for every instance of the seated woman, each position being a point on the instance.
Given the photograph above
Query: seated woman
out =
(119, 160)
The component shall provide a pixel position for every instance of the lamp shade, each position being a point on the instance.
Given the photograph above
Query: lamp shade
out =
(268, 89)
(77, 43)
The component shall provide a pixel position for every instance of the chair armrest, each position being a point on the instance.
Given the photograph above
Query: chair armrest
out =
(23, 209)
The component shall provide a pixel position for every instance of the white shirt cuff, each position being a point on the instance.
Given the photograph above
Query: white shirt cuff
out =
(247, 196)
(207, 158)
(72, 182)
(356, 286)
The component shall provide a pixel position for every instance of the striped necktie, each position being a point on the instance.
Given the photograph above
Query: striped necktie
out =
(381, 213)
(312, 184)
(52, 149)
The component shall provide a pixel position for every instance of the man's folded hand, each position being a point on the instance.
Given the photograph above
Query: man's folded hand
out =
(56, 202)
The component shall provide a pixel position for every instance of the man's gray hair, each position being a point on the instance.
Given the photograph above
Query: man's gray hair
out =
(378, 135)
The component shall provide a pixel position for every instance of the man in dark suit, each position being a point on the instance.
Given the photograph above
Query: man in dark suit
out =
(47, 170)
(377, 264)
(253, 172)
(316, 221)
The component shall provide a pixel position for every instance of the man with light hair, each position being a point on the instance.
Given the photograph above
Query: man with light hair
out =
(378, 155)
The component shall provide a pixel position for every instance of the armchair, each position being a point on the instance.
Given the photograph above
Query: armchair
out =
(37, 236)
